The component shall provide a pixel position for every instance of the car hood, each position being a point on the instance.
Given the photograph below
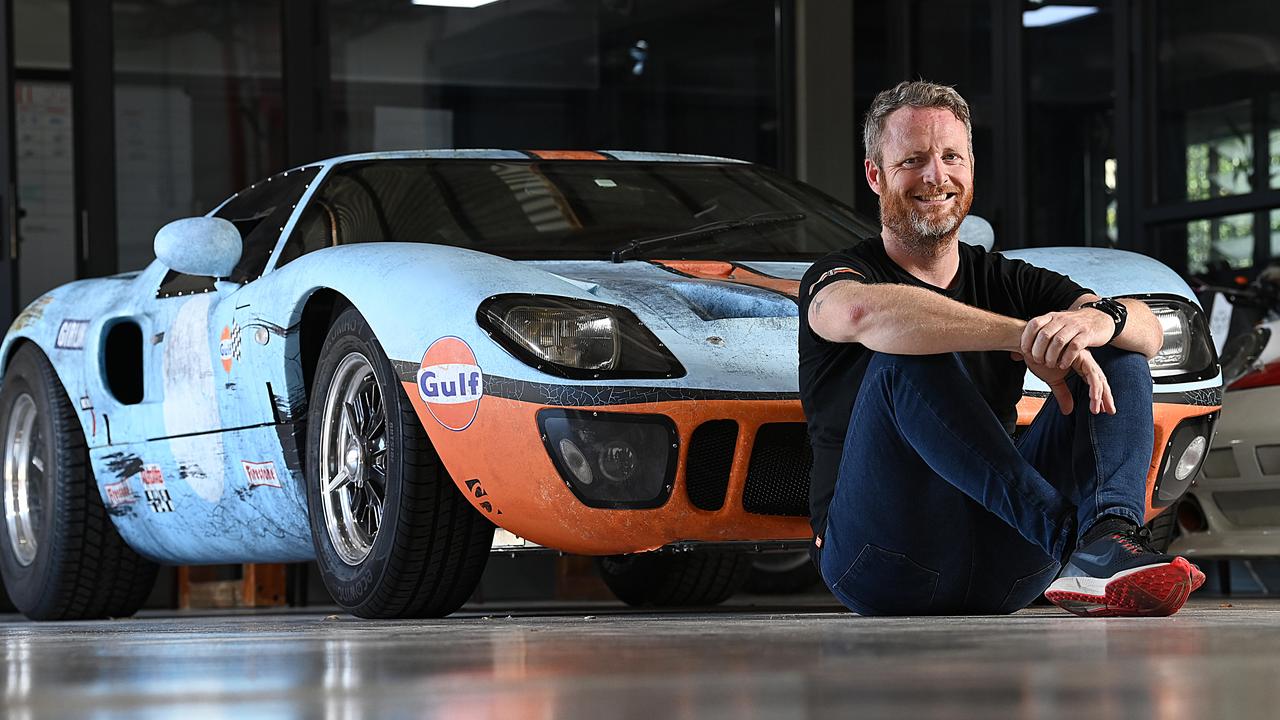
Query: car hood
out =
(730, 318)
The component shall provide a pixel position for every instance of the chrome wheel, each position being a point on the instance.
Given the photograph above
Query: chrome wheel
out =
(353, 459)
(24, 478)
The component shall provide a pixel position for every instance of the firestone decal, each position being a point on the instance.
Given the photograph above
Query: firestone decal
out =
(119, 494)
(261, 474)
(229, 346)
(451, 383)
(157, 494)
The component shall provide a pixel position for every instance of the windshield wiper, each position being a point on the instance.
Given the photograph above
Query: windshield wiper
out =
(701, 231)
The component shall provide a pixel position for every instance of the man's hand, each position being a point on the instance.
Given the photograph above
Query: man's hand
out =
(1100, 399)
(1056, 339)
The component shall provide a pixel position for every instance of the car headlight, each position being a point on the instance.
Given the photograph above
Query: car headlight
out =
(612, 460)
(1187, 353)
(575, 338)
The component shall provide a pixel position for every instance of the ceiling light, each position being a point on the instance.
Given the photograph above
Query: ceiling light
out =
(1054, 14)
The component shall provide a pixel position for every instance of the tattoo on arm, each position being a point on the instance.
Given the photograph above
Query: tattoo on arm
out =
(817, 306)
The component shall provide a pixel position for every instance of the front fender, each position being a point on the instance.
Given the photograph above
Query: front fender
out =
(1109, 272)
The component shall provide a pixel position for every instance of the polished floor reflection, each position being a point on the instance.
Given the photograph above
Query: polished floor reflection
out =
(1215, 659)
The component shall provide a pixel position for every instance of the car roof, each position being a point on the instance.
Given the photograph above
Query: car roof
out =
(489, 154)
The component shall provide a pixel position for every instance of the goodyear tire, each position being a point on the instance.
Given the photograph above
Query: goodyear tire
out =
(60, 554)
(674, 579)
(394, 538)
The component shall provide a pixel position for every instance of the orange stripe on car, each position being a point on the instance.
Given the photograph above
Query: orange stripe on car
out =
(567, 155)
(717, 270)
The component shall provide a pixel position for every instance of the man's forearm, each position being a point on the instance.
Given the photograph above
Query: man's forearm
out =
(1142, 332)
(906, 320)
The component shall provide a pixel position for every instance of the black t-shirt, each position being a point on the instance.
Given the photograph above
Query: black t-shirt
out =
(831, 373)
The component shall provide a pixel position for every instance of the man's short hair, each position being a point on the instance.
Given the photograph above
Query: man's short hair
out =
(910, 93)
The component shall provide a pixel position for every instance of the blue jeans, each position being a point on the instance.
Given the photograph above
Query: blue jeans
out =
(936, 509)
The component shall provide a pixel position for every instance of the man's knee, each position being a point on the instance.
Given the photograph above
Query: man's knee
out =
(926, 365)
(1123, 367)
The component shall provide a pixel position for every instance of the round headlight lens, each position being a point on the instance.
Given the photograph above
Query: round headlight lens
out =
(576, 462)
(618, 461)
(1191, 457)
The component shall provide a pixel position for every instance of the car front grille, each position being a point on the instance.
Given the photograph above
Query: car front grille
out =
(778, 476)
(710, 459)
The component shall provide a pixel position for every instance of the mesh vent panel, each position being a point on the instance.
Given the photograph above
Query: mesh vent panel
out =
(710, 459)
(778, 478)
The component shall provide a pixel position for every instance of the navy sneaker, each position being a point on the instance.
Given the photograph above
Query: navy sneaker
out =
(1118, 574)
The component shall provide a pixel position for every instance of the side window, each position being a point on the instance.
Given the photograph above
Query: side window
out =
(258, 213)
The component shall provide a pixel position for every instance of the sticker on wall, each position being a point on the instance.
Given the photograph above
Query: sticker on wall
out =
(71, 335)
(451, 383)
(157, 494)
(229, 347)
(261, 474)
(119, 494)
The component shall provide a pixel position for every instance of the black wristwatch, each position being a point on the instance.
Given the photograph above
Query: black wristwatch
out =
(1116, 309)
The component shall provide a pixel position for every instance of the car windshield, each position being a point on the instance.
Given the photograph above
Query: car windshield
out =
(576, 210)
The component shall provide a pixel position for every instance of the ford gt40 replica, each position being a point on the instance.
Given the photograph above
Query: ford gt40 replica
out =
(374, 361)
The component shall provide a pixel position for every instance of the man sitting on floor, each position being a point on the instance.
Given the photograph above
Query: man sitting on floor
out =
(913, 348)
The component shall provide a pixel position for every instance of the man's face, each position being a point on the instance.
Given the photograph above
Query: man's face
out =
(925, 178)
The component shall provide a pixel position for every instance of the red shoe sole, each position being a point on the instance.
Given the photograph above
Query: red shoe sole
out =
(1158, 592)
(1197, 577)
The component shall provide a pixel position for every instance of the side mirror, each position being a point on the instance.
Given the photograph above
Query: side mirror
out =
(199, 246)
(975, 230)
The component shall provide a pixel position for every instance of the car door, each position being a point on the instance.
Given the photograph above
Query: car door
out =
(173, 455)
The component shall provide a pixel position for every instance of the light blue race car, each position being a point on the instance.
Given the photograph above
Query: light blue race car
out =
(375, 361)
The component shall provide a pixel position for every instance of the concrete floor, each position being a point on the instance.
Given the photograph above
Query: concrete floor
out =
(1218, 658)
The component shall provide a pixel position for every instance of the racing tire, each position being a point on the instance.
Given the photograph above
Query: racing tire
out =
(683, 579)
(782, 573)
(393, 535)
(1164, 529)
(60, 554)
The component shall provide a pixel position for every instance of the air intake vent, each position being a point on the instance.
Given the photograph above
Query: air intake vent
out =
(778, 478)
(710, 459)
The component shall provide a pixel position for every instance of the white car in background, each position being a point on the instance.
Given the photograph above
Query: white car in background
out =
(1233, 509)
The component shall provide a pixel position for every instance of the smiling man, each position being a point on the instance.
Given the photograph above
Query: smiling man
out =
(913, 348)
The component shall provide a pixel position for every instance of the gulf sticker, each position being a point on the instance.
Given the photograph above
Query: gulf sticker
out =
(229, 345)
(451, 383)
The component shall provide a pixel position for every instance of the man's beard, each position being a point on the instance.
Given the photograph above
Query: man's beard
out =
(924, 234)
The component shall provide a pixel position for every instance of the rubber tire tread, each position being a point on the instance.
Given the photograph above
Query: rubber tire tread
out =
(440, 543)
(682, 579)
(1164, 529)
(91, 572)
